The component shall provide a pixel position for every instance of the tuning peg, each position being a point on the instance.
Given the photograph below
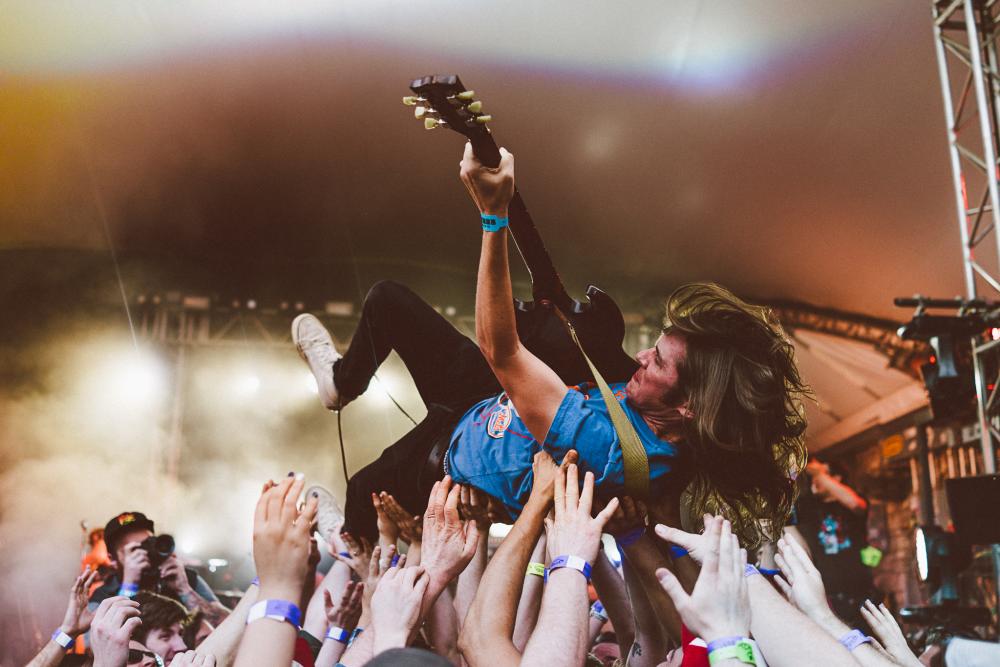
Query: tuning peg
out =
(413, 100)
(482, 120)
(474, 107)
(432, 123)
(466, 95)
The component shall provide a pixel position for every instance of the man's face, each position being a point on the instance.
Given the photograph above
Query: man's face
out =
(167, 642)
(146, 658)
(657, 376)
(128, 537)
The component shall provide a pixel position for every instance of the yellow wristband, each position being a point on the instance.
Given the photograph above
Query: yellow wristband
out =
(537, 569)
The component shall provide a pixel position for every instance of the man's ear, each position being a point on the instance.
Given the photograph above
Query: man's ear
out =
(684, 410)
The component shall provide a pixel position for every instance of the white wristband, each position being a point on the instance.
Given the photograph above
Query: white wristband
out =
(338, 634)
(62, 638)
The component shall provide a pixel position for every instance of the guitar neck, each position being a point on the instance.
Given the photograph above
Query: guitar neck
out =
(545, 281)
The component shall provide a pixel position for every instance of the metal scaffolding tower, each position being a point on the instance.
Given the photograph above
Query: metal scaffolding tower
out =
(965, 34)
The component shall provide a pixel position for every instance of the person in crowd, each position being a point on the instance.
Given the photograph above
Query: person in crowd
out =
(715, 399)
(124, 536)
(833, 520)
(164, 622)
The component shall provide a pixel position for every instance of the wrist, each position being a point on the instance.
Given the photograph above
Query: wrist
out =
(386, 639)
(499, 211)
(279, 591)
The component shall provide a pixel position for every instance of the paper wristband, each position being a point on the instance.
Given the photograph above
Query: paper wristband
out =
(630, 538)
(742, 651)
(678, 552)
(255, 582)
(598, 612)
(354, 635)
(750, 570)
(722, 642)
(62, 638)
(128, 590)
(338, 634)
(276, 610)
(493, 223)
(854, 639)
(571, 562)
(537, 569)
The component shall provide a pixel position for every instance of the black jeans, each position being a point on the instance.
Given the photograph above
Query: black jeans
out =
(451, 375)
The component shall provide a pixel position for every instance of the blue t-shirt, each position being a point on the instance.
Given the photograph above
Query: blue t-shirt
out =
(492, 449)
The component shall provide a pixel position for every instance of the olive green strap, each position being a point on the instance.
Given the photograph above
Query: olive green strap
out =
(635, 463)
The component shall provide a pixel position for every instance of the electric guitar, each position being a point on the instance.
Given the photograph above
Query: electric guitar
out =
(443, 102)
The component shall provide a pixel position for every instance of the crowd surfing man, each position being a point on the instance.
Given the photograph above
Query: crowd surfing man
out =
(714, 401)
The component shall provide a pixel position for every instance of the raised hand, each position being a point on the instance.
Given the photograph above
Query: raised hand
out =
(630, 515)
(281, 540)
(346, 612)
(490, 188)
(574, 532)
(802, 583)
(396, 606)
(377, 567)
(473, 504)
(544, 472)
(410, 526)
(387, 529)
(359, 554)
(889, 633)
(173, 576)
(719, 605)
(192, 659)
(136, 562)
(697, 545)
(77, 619)
(114, 622)
(448, 544)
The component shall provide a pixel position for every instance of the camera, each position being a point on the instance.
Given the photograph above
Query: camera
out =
(158, 548)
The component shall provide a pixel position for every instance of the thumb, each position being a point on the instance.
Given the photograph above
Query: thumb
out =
(672, 587)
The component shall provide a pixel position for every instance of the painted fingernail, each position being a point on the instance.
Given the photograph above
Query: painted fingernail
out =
(291, 474)
(315, 494)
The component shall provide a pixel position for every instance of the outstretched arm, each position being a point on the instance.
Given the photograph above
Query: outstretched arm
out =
(533, 387)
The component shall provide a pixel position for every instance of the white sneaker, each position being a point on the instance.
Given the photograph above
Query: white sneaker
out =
(329, 516)
(315, 346)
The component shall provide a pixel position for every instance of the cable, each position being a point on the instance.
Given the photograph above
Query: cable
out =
(343, 453)
(394, 401)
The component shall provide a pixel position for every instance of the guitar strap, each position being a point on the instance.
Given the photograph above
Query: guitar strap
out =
(634, 461)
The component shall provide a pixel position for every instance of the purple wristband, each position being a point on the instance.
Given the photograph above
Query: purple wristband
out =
(573, 563)
(255, 582)
(854, 639)
(750, 570)
(395, 559)
(630, 538)
(276, 610)
(722, 642)
(345, 554)
(768, 573)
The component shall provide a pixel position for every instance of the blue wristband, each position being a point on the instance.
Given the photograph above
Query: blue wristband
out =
(276, 610)
(395, 560)
(338, 634)
(128, 590)
(768, 573)
(62, 638)
(493, 223)
(722, 642)
(597, 611)
(345, 554)
(678, 552)
(571, 562)
(630, 538)
(354, 635)
(854, 639)
(255, 582)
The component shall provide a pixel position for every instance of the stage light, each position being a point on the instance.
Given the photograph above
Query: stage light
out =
(137, 379)
(215, 563)
(247, 385)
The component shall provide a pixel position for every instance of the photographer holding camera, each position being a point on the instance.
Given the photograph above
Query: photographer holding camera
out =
(146, 561)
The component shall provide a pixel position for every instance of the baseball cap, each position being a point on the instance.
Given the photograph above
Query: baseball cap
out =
(124, 522)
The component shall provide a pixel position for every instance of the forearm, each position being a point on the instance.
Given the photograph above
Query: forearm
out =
(335, 582)
(267, 642)
(531, 599)
(50, 655)
(786, 636)
(225, 638)
(361, 651)
(651, 642)
(330, 653)
(614, 598)
(472, 575)
(865, 654)
(486, 635)
(643, 559)
(496, 330)
(560, 638)
(413, 555)
(442, 626)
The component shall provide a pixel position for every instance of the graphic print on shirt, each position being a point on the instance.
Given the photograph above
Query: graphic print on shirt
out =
(830, 536)
(501, 417)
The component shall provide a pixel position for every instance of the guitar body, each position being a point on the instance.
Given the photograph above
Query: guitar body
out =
(442, 101)
(600, 327)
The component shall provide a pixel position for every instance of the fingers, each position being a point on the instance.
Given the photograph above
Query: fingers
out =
(373, 564)
(672, 587)
(572, 488)
(559, 494)
(131, 624)
(785, 568)
(451, 505)
(471, 539)
(783, 586)
(688, 541)
(605, 514)
(572, 457)
(587, 495)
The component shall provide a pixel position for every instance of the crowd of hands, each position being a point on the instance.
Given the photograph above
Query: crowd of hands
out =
(446, 595)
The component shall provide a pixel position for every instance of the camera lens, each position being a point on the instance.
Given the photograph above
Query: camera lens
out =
(164, 545)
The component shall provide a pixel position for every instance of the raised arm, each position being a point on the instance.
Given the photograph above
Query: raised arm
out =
(489, 626)
(533, 387)
(76, 621)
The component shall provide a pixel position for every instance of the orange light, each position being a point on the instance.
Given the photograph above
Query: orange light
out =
(933, 359)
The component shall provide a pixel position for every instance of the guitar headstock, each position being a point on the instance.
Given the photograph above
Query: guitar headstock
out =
(442, 101)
